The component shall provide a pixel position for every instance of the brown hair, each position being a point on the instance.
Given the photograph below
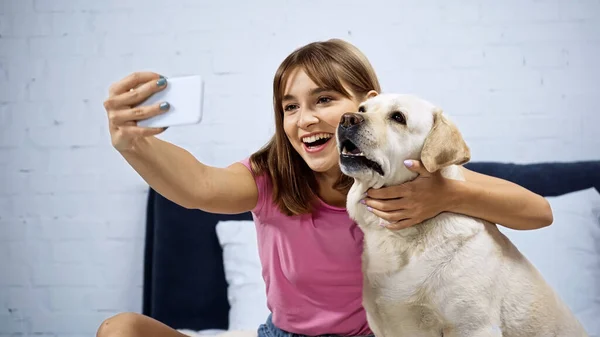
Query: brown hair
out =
(329, 64)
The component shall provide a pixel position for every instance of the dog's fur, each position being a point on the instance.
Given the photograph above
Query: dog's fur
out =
(451, 275)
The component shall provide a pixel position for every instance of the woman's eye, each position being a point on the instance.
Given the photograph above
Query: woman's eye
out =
(324, 99)
(290, 107)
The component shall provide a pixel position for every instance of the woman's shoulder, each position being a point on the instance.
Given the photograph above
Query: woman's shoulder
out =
(261, 176)
(263, 185)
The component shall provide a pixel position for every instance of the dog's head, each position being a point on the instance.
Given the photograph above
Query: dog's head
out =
(390, 128)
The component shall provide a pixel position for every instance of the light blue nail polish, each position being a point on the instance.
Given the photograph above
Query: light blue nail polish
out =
(408, 163)
(164, 106)
(369, 208)
(362, 201)
(161, 81)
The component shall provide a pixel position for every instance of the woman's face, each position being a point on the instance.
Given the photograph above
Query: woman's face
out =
(310, 119)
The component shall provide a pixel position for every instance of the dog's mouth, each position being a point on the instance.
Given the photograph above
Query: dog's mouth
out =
(352, 155)
(349, 149)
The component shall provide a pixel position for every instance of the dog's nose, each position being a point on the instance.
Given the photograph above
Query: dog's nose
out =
(349, 119)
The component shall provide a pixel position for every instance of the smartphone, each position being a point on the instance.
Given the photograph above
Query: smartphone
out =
(185, 95)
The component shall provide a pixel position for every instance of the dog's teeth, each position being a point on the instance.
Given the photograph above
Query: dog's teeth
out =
(344, 151)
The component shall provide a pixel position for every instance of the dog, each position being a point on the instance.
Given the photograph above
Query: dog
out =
(451, 275)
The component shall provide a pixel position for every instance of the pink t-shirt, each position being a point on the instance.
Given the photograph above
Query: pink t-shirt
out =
(311, 265)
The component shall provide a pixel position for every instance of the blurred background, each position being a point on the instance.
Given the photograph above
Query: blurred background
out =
(520, 78)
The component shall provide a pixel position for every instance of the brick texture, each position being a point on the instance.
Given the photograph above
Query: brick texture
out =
(519, 77)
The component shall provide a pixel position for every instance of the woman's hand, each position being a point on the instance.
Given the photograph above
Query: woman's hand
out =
(122, 112)
(412, 202)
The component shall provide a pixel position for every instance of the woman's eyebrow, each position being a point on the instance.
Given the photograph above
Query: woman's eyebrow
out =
(316, 91)
(312, 92)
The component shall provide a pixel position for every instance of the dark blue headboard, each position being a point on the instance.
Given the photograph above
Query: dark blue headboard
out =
(546, 179)
(184, 280)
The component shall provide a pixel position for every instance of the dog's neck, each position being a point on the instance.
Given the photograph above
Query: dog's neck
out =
(402, 175)
(380, 241)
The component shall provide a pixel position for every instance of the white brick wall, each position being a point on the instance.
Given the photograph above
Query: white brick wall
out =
(520, 77)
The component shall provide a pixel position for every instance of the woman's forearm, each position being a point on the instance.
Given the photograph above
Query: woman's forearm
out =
(177, 175)
(498, 201)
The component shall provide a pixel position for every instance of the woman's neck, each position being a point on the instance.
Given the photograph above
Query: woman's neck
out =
(329, 195)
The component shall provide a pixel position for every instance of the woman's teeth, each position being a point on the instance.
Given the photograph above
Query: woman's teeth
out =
(314, 138)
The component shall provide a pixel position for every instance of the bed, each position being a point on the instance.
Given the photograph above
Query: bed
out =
(201, 272)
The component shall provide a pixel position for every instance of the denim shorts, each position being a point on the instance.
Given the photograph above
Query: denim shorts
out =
(268, 329)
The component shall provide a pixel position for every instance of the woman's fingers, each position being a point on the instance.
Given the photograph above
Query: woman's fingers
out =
(391, 216)
(132, 81)
(120, 117)
(136, 95)
(123, 110)
(387, 204)
(139, 132)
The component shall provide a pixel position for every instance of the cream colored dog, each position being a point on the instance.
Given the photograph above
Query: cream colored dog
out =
(452, 275)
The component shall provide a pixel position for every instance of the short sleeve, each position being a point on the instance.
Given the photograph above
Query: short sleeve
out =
(262, 184)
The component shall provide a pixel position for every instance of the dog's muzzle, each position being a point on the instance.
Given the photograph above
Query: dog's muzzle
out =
(352, 157)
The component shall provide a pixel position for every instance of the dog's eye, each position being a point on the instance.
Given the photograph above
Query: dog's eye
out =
(362, 109)
(398, 117)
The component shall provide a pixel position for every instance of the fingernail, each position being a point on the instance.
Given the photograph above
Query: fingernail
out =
(362, 201)
(369, 208)
(164, 106)
(382, 223)
(408, 163)
(161, 81)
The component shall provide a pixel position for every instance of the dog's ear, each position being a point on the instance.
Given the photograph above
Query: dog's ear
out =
(444, 145)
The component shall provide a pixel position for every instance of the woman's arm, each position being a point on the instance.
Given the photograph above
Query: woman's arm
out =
(171, 170)
(481, 196)
(498, 201)
(178, 176)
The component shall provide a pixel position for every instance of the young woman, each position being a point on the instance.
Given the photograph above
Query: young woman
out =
(309, 248)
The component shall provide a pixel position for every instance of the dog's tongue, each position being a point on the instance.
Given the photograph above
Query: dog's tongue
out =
(355, 151)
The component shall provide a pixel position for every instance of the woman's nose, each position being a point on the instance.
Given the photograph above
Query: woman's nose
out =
(307, 117)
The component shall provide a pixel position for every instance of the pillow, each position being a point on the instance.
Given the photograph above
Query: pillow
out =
(246, 287)
(567, 253)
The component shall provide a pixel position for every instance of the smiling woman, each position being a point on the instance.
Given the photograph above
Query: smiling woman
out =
(313, 88)
(310, 249)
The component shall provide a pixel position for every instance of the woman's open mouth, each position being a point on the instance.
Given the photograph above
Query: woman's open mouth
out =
(316, 142)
